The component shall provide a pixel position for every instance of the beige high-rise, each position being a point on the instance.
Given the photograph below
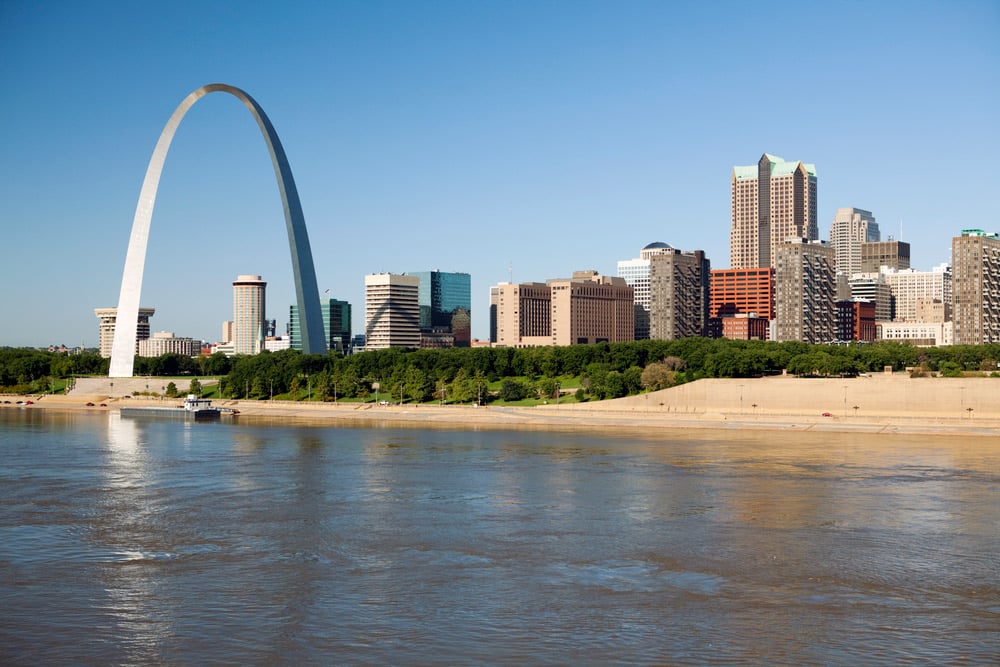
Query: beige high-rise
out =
(975, 265)
(851, 228)
(248, 314)
(108, 318)
(770, 202)
(909, 287)
(392, 311)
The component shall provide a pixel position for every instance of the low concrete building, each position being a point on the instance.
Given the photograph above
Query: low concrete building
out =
(165, 342)
(921, 334)
(587, 308)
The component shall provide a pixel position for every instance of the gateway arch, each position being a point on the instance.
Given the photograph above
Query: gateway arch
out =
(306, 292)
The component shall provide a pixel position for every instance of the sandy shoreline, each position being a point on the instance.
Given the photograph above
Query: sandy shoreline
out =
(883, 406)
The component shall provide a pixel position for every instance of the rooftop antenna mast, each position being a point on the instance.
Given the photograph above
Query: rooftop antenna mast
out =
(510, 273)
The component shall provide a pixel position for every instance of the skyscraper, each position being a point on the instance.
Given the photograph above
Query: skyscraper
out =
(108, 318)
(678, 294)
(248, 314)
(392, 311)
(851, 228)
(805, 292)
(771, 201)
(445, 304)
(975, 262)
(636, 275)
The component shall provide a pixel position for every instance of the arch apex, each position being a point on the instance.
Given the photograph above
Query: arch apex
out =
(306, 291)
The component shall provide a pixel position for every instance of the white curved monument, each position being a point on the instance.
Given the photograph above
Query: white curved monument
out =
(306, 292)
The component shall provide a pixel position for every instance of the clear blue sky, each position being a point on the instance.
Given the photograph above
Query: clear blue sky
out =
(464, 136)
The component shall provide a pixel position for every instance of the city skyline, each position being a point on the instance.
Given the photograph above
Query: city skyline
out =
(568, 135)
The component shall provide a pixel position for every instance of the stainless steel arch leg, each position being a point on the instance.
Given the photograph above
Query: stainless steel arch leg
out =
(306, 291)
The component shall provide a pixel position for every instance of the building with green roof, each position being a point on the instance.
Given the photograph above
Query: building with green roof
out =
(772, 201)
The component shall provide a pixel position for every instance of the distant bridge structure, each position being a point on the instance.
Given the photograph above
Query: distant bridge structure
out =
(306, 292)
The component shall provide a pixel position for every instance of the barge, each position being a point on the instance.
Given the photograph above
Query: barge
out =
(194, 409)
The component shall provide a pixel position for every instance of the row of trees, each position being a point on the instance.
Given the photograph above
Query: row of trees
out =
(24, 370)
(604, 370)
(463, 374)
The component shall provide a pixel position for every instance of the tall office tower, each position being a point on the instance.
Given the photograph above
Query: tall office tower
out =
(805, 283)
(893, 254)
(975, 261)
(587, 308)
(336, 324)
(851, 227)
(392, 311)
(108, 317)
(909, 287)
(445, 306)
(227, 331)
(635, 272)
(249, 326)
(875, 290)
(772, 201)
(678, 294)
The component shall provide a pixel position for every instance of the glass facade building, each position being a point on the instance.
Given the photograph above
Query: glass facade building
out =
(445, 304)
(336, 325)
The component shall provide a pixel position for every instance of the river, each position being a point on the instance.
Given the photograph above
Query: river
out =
(129, 541)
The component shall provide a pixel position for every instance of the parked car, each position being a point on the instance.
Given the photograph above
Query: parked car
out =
(89, 404)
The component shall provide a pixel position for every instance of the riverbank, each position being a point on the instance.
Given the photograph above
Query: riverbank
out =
(883, 404)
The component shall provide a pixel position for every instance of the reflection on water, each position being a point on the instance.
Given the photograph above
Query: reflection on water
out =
(138, 541)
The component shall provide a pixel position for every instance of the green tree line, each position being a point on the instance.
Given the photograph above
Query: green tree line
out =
(603, 370)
